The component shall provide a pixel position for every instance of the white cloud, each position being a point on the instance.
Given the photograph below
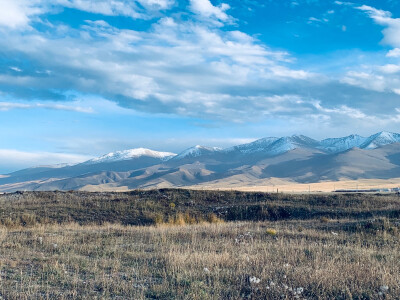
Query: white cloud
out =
(342, 110)
(16, 69)
(312, 19)
(316, 20)
(11, 159)
(206, 9)
(344, 3)
(118, 7)
(363, 119)
(151, 70)
(289, 73)
(17, 13)
(109, 8)
(6, 106)
(375, 78)
(159, 4)
(186, 67)
(392, 31)
(365, 80)
(394, 53)
(377, 14)
(384, 78)
(390, 69)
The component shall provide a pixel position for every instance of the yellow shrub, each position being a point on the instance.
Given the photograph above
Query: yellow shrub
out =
(212, 218)
(271, 231)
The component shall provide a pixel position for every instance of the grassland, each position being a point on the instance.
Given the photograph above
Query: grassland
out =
(179, 244)
(285, 186)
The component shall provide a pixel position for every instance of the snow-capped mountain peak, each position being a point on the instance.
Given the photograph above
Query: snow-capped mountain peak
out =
(257, 146)
(303, 140)
(274, 146)
(289, 143)
(197, 151)
(381, 139)
(130, 154)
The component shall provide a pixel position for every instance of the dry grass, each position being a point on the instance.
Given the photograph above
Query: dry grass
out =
(287, 186)
(197, 245)
(336, 260)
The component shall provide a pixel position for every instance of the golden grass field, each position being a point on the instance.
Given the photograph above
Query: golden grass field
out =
(295, 260)
(269, 185)
(60, 246)
(275, 184)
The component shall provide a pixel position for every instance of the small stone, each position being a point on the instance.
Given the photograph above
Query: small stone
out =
(384, 288)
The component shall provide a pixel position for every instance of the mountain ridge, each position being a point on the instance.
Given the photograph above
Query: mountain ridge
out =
(294, 158)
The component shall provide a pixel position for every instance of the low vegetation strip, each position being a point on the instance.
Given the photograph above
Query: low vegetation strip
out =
(174, 205)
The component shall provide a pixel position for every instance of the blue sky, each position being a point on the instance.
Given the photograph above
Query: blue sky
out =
(80, 78)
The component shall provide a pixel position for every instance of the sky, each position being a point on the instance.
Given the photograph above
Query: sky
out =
(80, 78)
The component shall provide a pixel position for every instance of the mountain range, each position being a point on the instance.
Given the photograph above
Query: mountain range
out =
(296, 158)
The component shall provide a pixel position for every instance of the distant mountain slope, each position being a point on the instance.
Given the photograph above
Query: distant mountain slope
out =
(380, 139)
(260, 145)
(352, 164)
(274, 146)
(286, 144)
(296, 159)
(130, 154)
(121, 161)
(196, 151)
(342, 144)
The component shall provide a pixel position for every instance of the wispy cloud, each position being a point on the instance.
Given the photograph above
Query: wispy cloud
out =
(11, 159)
(206, 10)
(139, 9)
(6, 106)
(392, 31)
(380, 78)
(343, 110)
(16, 69)
(17, 14)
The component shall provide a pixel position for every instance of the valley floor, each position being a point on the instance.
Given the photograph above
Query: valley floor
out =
(275, 184)
(269, 186)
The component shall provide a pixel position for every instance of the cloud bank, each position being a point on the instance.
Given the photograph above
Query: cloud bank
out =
(190, 59)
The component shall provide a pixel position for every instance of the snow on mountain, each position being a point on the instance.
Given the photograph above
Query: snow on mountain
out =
(381, 139)
(335, 145)
(274, 146)
(196, 151)
(130, 154)
(286, 144)
(253, 147)
(56, 166)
